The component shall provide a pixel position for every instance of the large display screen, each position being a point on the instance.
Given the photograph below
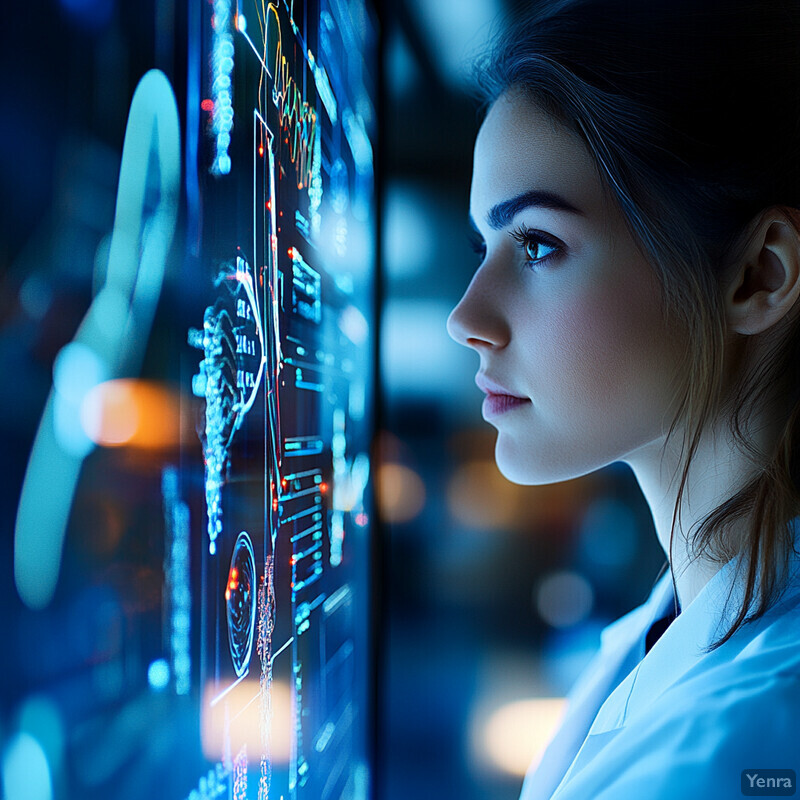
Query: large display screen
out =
(286, 375)
(191, 607)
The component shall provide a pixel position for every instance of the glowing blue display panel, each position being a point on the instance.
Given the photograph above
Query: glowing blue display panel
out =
(283, 376)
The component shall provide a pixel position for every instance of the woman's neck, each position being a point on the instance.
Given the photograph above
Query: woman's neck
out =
(719, 469)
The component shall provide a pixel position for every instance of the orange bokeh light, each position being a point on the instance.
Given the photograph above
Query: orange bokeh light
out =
(242, 704)
(132, 413)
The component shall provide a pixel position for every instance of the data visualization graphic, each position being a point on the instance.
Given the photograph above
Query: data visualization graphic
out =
(284, 370)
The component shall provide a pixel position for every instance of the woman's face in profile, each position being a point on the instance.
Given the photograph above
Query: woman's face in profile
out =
(576, 356)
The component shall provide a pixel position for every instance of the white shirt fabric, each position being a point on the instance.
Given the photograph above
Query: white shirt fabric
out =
(677, 722)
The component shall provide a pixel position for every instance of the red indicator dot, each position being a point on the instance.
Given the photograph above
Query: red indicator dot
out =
(323, 487)
(299, 185)
(261, 150)
(207, 105)
(275, 504)
(227, 594)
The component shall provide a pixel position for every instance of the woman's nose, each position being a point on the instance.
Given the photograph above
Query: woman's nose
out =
(477, 320)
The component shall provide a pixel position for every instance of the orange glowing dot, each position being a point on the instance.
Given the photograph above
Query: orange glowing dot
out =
(292, 560)
(286, 140)
(227, 594)
(207, 105)
(280, 214)
(261, 149)
(283, 482)
(268, 204)
(275, 504)
(299, 185)
(323, 487)
(234, 573)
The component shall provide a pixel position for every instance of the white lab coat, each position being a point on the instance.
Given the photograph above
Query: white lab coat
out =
(678, 723)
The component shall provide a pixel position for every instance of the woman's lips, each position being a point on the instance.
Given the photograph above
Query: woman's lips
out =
(499, 400)
(496, 404)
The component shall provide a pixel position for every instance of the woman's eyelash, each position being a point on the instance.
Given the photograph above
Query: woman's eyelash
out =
(526, 238)
(530, 238)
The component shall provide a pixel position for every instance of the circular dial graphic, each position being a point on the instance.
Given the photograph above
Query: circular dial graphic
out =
(240, 600)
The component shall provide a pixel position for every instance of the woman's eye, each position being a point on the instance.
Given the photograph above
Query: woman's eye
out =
(536, 247)
(537, 250)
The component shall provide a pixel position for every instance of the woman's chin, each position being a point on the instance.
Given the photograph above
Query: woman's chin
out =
(519, 464)
(529, 465)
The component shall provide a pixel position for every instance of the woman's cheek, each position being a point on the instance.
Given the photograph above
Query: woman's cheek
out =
(590, 352)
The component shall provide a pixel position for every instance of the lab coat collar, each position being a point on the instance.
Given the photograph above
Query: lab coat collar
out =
(622, 647)
(627, 630)
(681, 647)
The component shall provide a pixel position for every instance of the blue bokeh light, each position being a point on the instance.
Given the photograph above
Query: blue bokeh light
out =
(158, 675)
(26, 773)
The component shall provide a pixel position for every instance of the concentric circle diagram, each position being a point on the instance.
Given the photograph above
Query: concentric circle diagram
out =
(241, 602)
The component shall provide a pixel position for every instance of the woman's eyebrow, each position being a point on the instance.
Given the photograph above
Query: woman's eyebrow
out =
(503, 213)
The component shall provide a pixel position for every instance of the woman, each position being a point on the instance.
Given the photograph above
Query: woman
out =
(635, 191)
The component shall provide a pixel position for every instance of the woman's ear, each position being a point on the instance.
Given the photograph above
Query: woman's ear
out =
(766, 279)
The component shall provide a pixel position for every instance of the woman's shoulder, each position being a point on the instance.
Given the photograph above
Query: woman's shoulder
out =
(744, 696)
(763, 657)
(732, 714)
(698, 741)
(685, 723)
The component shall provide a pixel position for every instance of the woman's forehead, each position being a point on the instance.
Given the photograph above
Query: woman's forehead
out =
(521, 148)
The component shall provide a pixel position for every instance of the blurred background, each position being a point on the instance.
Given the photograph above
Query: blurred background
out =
(494, 594)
